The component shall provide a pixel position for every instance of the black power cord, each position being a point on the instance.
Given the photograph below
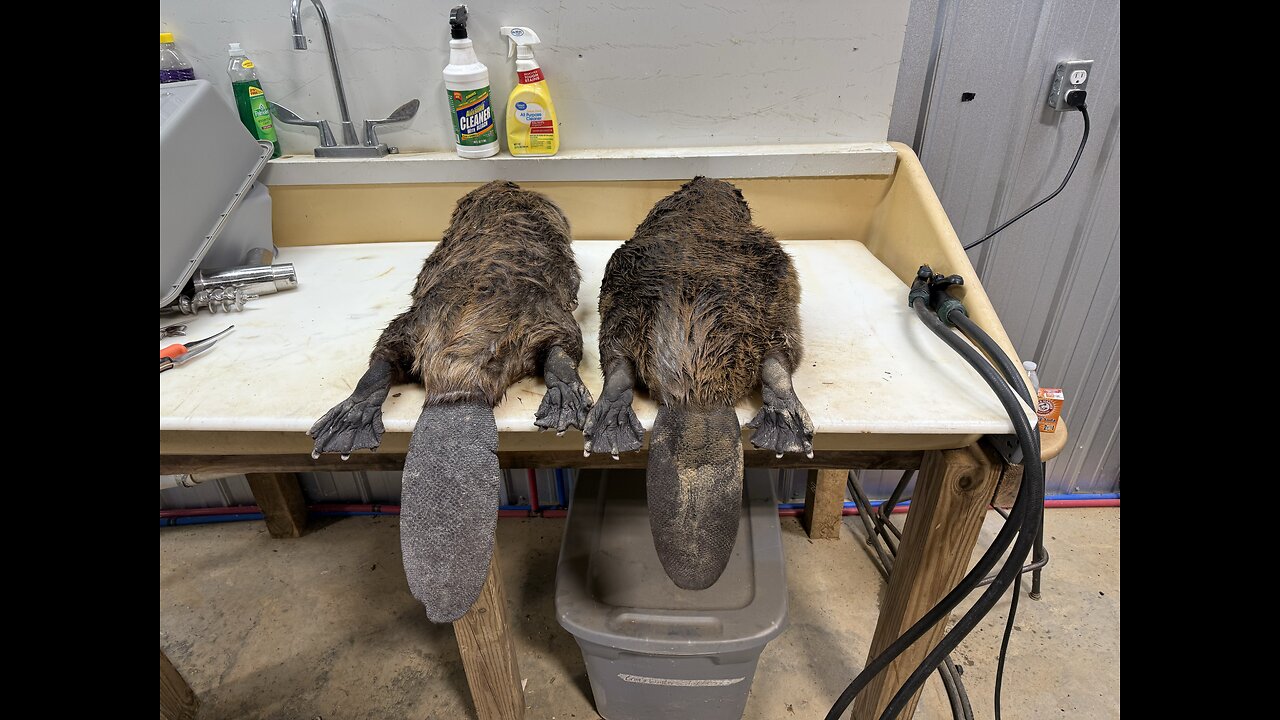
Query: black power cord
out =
(1075, 99)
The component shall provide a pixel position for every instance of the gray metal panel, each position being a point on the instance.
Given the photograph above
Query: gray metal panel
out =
(226, 492)
(1055, 276)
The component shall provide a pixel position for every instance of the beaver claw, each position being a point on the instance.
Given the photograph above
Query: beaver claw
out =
(782, 425)
(612, 426)
(353, 424)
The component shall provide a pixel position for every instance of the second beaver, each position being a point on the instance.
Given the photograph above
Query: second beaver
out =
(493, 304)
(701, 306)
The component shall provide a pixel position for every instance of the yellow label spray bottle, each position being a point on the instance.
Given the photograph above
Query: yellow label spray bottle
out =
(532, 130)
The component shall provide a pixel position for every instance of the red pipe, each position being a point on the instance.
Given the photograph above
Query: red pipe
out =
(1081, 503)
(533, 491)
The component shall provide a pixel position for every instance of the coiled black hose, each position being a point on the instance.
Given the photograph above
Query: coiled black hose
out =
(1032, 490)
(1004, 538)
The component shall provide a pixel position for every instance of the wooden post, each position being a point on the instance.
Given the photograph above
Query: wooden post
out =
(177, 702)
(947, 508)
(489, 653)
(283, 506)
(824, 503)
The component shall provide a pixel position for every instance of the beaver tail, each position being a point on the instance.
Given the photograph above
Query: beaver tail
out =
(449, 506)
(695, 491)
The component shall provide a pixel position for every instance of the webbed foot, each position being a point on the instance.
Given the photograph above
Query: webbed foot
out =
(612, 426)
(567, 400)
(353, 424)
(782, 425)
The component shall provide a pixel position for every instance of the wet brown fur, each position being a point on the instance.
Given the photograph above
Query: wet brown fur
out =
(491, 300)
(697, 298)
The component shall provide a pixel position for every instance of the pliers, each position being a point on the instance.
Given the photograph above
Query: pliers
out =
(178, 353)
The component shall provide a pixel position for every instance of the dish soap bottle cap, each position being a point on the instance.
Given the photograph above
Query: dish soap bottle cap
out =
(234, 50)
(519, 40)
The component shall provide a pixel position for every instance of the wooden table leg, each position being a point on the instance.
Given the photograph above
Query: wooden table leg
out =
(177, 702)
(824, 503)
(947, 509)
(489, 653)
(283, 507)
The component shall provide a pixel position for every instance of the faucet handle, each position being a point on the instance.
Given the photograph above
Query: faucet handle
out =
(289, 117)
(402, 114)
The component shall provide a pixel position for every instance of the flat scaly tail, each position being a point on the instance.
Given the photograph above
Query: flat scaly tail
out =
(695, 491)
(449, 506)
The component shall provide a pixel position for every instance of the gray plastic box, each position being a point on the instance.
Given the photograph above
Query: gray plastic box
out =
(206, 156)
(653, 650)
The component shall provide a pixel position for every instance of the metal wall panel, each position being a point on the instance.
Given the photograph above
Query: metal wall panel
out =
(1054, 276)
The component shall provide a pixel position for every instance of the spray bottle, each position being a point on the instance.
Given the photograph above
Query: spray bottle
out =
(532, 129)
(466, 80)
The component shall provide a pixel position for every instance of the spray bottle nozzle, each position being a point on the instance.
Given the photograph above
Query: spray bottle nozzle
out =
(458, 22)
(519, 37)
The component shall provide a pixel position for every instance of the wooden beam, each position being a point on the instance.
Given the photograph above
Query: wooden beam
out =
(489, 653)
(947, 508)
(177, 702)
(824, 503)
(1007, 489)
(836, 459)
(280, 498)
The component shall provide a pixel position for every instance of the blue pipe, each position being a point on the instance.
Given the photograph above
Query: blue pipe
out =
(206, 519)
(561, 494)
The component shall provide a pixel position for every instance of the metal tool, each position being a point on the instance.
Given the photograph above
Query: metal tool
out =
(255, 280)
(178, 353)
(222, 299)
(289, 117)
(402, 114)
(173, 330)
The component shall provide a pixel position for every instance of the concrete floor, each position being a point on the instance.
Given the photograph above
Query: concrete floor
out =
(323, 627)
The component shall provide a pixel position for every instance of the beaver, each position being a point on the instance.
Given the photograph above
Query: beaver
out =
(493, 304)
(700, 306)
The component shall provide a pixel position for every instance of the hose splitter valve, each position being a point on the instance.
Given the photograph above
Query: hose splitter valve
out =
(932, 287)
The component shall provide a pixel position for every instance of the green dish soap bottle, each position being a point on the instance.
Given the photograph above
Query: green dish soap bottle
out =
(251, 101)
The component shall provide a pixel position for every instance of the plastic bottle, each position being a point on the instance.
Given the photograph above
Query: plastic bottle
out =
(1031, 368)
(174, 66)
(532, 128)
(251, 101)
(466, 80)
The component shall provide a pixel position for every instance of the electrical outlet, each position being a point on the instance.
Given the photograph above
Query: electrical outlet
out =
(1067, 76)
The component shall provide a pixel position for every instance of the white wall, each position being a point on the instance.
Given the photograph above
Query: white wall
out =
(629, 73)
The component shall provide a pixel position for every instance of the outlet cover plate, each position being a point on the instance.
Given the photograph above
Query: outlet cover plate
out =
(1068, 75)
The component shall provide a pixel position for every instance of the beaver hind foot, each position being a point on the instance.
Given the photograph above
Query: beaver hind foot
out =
(612, 425)
(449, 506)
(355, 423)
(782, 425)
(567, 400)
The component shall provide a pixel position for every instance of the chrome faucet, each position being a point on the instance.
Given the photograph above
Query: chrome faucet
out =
(300, 43)
(351, 146)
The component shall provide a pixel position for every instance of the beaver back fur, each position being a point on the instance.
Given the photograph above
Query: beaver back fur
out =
(498, 290)
(697, 298)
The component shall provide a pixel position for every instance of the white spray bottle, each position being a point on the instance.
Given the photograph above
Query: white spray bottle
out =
(466, 80)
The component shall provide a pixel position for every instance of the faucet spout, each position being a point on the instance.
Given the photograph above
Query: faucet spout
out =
(349, 136)
(295, 17)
